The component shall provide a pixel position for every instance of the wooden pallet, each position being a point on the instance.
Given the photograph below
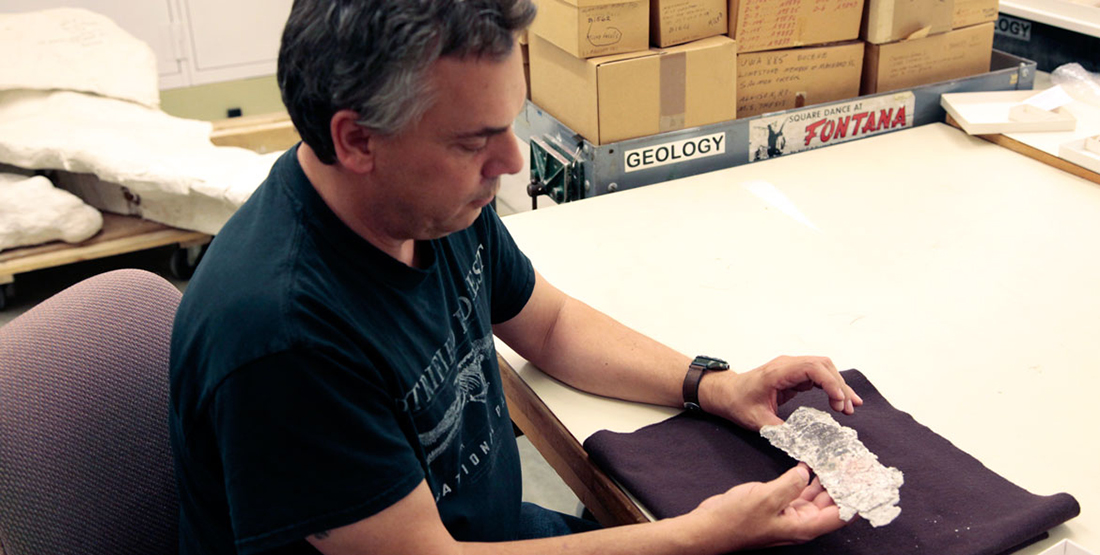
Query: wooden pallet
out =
(120, 234)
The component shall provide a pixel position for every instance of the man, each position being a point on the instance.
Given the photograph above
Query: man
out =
(334, 381)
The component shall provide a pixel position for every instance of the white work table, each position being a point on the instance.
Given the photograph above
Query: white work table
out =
(961, 278)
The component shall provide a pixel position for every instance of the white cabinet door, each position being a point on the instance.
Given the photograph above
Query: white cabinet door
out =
(196, 41)
(154, 21)
(233, 39)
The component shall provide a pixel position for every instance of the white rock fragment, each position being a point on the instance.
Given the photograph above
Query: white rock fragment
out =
(852, 475)
(78, 50)
(33, 211)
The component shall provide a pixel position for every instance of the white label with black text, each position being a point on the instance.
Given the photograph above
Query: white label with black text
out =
(674, 152)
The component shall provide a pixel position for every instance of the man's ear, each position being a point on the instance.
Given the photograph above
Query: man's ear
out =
(353, 142)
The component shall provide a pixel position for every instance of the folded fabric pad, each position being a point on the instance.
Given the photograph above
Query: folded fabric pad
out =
(950, 502)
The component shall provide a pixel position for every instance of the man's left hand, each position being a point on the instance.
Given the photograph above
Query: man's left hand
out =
(751, 399)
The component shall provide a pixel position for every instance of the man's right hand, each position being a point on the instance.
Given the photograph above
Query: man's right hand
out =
(790, 509)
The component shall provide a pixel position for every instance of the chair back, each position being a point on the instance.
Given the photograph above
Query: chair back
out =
(85, 462)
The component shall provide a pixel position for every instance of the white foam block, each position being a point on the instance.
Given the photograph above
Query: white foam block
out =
(982, 113)
(1066, 547)
(1078, 153)
(33, 211)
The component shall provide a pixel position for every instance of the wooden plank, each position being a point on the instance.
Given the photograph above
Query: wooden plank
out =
(261, 133)
(599, 493)
(120, 234)
(1032, 152)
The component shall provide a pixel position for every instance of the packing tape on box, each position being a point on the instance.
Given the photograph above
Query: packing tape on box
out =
(673, 90)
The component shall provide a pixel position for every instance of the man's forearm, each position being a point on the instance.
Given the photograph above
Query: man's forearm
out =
(412, 525)
(593, 352)
(669, 536)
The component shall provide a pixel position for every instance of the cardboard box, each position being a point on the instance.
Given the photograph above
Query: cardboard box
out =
(675, 22)
(894, 20)
(951, 55)
(974, 12)
(778, 24)
(614, 98)
(525, 51)
(589, 28)
(787, 79)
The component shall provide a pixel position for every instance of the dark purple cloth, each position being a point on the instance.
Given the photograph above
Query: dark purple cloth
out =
(950, 503)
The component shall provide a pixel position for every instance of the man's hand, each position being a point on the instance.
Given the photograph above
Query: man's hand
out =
(790, 509)
(751, 399)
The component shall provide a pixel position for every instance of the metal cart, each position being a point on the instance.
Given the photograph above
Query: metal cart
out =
(566, 167)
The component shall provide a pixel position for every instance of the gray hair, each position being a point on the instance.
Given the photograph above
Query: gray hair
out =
(372, 57)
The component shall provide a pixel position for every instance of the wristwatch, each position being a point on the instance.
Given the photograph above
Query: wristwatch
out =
(701, 365)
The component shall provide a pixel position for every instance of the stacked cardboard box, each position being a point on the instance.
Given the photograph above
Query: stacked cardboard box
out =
(524, 49)
(974, 12)
(894, 20)
(619, 69)
(910, 63)
(675, 22)
(778, 80)
(588, 28)
(793, 53)
(780, 24)
(592, 67)
(614, 98)
(916, 42)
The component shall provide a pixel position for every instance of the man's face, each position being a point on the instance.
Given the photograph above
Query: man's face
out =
(436, 175)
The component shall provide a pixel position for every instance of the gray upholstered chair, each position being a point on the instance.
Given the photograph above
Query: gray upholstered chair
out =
(85, 464)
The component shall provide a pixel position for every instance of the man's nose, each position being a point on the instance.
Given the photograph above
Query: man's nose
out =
(507, 158)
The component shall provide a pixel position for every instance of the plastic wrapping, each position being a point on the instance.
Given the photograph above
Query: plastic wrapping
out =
(1080, 83)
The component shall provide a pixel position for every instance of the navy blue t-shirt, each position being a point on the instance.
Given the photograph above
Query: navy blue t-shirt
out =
(316, 380)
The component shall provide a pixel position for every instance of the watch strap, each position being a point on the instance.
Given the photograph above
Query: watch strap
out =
(700, 366)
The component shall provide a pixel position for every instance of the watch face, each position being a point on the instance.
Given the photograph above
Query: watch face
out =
(710, 363)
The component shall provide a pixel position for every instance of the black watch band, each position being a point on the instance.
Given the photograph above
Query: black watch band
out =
(701, 365)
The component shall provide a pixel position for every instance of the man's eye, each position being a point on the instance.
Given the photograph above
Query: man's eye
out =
(474, 146)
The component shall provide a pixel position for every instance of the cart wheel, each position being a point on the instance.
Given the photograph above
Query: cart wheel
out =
(7, 292)
(184, 260)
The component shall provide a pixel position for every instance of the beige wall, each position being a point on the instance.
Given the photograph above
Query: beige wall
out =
(255, 96)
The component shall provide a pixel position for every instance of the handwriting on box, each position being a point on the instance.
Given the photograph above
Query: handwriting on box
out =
(767, 24)
(769, 82)
(920, 62)
(603, 29)
(679, 18)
